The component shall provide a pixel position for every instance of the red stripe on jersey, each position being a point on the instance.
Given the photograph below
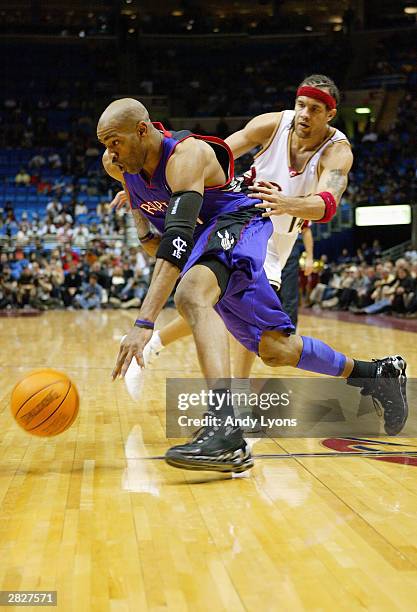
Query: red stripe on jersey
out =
(158, 125)
(219, 141)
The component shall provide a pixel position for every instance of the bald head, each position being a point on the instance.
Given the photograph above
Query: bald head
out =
(123, 114)
(131, 141)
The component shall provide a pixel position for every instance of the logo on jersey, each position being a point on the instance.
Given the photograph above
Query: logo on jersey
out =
(241, 183)
(180, 247)
(227, 241)
(235, 184)
(154, 207)
(250, 176)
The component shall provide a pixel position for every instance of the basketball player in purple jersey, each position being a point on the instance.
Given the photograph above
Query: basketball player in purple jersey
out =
(216, 240)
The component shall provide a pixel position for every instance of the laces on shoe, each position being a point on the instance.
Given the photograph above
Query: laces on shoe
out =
(377, 406)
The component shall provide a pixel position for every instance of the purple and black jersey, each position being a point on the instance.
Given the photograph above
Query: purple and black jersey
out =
(152, 196)
(232, 231)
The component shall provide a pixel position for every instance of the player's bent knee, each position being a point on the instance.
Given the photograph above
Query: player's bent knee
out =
(274, 349)
(190, 295)
(272, 362)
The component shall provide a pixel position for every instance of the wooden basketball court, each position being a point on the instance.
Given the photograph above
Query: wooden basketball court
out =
(98, 516)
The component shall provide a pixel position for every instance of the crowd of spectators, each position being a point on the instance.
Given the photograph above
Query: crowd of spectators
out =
(64, 223)
(114, 276)
(384, 170)
(366, 284)
(100, 277)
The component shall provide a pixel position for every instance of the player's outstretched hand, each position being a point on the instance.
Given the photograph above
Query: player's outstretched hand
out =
(120, 199)
(131, 347)
(273, 201)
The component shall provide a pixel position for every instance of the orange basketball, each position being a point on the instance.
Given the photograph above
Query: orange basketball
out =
(45, 402)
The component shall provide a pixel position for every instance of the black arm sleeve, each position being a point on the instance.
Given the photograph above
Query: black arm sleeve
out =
(181, 217)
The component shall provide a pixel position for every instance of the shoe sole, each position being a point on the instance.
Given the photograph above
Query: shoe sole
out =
(210, 466)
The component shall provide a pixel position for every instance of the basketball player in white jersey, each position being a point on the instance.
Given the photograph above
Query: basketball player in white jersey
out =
(301, 155)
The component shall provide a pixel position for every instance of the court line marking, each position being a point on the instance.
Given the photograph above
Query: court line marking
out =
(308, 455)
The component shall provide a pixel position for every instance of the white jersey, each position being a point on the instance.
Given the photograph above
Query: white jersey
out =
(273, 164)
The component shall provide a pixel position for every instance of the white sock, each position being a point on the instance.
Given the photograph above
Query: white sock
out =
(156, 341)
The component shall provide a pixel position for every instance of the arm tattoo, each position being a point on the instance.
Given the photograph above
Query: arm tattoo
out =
(141, 222)
(337, 182)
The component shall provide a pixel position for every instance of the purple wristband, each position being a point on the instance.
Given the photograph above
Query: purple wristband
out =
(144, 323)
(147, 237)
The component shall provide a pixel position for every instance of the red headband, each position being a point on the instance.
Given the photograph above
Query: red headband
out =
(317, 94)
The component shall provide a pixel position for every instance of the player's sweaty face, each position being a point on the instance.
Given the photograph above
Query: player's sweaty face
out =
(125, 150)
(311, 116)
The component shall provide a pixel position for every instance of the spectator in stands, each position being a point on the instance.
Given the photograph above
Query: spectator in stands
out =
(53, 208)
(37, 161)
(103, 277)
(366, 288)
(8, 209)
(344, 257)
(8, 289)
(22, 177)
(47, 229)
(134, 291)
(67, 256)
(383, 292)
(102, 208)
(64, 233)
(80, 236)
(62, 218)
(72, 285)
(4, 262)
(324, 290)
(118, 283)
(345, 289)
(80, 209)
(54, 160)
(139, 260)
(56, 274)
(404, 291)
(26, 290)
(359, 257)
(91, 294)
(44, 289)
(352, 296)
(42, 186)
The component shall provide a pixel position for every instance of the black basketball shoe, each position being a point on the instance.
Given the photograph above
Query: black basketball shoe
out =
(388, 391)
(218, 449)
